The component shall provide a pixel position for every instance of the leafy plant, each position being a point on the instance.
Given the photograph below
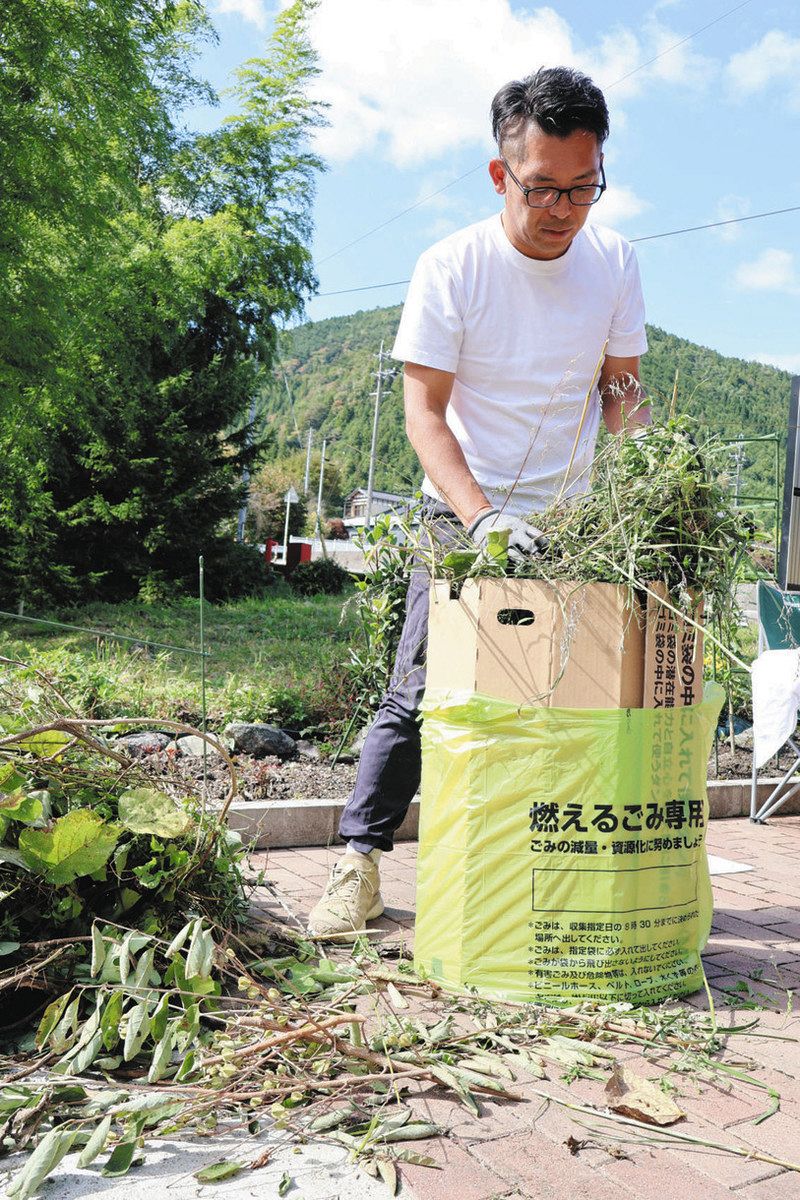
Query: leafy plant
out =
(655, 512)
(81, 838)
(318, 578)
(379, 604)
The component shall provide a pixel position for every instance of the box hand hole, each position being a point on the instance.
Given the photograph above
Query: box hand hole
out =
(515, 616)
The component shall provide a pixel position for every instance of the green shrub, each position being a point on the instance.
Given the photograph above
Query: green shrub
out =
(323, 577)
(234, 569)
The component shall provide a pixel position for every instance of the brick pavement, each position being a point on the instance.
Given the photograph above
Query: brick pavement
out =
(518, 1149)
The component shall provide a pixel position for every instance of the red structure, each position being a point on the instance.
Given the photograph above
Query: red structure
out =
(296, 552)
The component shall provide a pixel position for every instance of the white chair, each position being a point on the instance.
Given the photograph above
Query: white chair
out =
(778, 629)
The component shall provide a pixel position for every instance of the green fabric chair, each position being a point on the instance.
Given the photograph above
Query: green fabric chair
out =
(778, 629)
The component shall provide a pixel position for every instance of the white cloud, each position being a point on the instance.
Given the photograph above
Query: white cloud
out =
(254, 11)
(786, 362)
(678, 64)
(618, 205)
(729, 208)
(773, 60)
(410, 81)
(773, 271)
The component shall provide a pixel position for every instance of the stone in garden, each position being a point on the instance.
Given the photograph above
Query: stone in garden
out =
(358, 745)
(193, 745)
(260, 740)
(137, 745)
(744, 740)
(308, 750)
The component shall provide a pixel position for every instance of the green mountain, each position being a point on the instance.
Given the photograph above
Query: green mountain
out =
(328, 374)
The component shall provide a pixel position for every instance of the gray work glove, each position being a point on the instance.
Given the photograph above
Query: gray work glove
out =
(524, 540)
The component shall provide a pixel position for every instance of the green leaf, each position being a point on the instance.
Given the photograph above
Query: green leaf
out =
(13, 1098)
(459, 562)
(144, 972)
(162, 1053)
(8, 947)
(145, 810)
(10, 778)
(188, 1063)
(125, 958)
(64, 1033)
(45, 1158)
(285, 1184)
(497, 546)
(446, 1076)
(51, 1017)
(200, 957)
(19, 806)
(158, 1024)
(109, 1021)
(178, 941)
(119, 1162)
(412, 1131)
(77, 844)
(7, 855)
(137, 1031)
(86, 1055)
(224, 1169)
(45, 743)
(96, 1143)
(98, 951)
(330, 1120)
(149, 1109)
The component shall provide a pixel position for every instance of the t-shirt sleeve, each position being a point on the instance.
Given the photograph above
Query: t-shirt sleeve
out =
(431, 327)
(627, 337)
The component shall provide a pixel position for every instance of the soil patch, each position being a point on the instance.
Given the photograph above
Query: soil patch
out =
(258, 779)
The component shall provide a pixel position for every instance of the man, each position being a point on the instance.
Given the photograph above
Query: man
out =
(505, 328)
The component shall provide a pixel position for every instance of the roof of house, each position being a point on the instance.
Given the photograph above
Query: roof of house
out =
(379, 496)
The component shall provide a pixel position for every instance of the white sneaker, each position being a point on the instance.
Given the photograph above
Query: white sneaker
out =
(352, 897)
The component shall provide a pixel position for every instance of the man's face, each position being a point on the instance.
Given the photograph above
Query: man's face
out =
(540, 160)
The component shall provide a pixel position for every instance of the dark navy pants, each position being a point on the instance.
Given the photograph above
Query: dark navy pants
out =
(391, 761)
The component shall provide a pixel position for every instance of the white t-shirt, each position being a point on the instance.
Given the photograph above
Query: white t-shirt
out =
(523, 337)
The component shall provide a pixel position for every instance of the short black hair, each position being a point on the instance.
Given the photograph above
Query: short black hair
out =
(558, 99)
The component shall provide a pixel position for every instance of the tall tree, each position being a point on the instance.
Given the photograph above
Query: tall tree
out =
(151, 441)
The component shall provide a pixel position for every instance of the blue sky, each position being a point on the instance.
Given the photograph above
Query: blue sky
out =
(708, 131)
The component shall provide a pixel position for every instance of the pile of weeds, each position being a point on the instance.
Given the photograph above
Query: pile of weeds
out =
(84, 834)
(657, 510)
(213, 1032)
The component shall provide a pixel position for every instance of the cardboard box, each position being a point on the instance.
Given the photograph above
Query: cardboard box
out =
(565, 645)
(673, 671)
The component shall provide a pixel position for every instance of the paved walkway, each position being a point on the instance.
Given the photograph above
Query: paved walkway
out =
(519, 1149)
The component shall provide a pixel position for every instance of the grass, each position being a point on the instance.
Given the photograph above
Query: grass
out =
(278, 658)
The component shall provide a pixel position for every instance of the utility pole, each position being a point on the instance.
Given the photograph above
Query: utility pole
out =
(291, 498)
(319, 500)
(321, 477)
(245, 479)
(308, 444)
(308, 458)
(380, 375)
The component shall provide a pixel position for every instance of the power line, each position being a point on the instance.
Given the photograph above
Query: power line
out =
(481, 165)
(716, 224)
(402, 213)
(369, 287)
(650, 237)
(675, 45)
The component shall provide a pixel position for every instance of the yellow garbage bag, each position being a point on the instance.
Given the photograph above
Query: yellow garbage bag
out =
(562, 851)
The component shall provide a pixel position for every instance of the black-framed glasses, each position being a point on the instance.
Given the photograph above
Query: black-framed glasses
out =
(545, 197)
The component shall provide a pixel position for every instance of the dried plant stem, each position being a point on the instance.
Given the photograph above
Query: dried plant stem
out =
(308, 1032)
(598, 368)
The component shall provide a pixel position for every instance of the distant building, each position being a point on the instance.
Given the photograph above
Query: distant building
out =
(355, 506)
